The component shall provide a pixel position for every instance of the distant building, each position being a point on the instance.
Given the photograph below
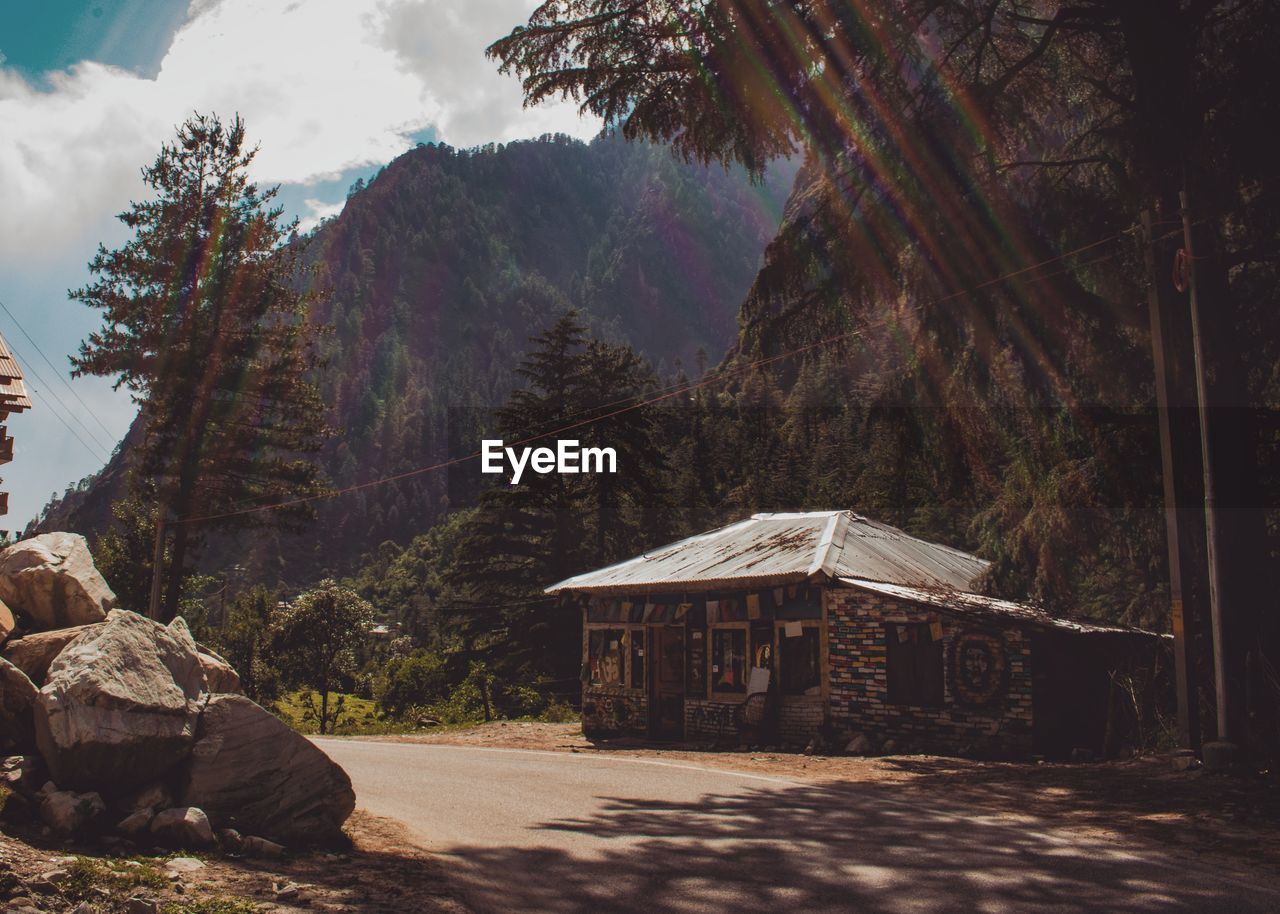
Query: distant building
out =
(13, 399)
(785, 626)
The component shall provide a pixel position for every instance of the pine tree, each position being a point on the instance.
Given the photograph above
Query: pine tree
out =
(202, 323)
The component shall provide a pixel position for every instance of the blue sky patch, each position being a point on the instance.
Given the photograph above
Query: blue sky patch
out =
(36, 38)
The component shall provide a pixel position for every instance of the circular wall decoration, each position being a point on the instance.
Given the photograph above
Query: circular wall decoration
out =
(978, 668)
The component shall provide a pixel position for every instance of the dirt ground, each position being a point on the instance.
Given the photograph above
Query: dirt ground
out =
(1230, 821)
(1233, 821)
(382, 873)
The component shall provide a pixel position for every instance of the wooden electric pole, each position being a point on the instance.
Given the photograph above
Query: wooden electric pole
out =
(157, 568)
(1181, 476)
(1187, 261)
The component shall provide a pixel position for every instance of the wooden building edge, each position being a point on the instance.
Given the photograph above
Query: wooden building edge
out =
(13, 399)
(676, 647)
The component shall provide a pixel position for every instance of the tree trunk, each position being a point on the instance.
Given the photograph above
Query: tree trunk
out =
(154, 609)
(173, 584)
(484, 696)
(324, 710)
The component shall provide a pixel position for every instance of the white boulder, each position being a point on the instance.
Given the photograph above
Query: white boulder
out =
(120, 704)
(220, 676)
(35, 652)
(251, 772)
(66, 811)
(52, 579)
(17, 697)
(183, 826)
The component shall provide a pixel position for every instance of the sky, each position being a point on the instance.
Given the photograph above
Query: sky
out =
(331, 90)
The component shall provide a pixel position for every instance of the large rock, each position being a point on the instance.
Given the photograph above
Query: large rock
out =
(66, 811)
(119, 707)
(184, 826)
(33, 654)
(251, 772)
(17, 697)
(7, 623)
(51, 578)
(220, 676)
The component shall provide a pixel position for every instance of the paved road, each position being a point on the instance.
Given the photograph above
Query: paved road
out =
(559, 832)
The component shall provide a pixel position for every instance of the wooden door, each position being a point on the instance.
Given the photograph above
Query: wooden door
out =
(666, 682)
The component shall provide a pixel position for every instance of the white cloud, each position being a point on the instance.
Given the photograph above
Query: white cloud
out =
(324, 86)
(442, 40)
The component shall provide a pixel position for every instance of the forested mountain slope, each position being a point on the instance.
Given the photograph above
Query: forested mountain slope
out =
(435, 275)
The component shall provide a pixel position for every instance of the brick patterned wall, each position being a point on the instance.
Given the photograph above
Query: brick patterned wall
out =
(859, 680)
(710, 719)
(799, 718)
(614, 711)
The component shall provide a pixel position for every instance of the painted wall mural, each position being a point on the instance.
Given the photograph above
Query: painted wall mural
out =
(612, 713)
(979, 671)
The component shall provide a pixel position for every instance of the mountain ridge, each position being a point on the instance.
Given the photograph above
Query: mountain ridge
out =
(433, 277)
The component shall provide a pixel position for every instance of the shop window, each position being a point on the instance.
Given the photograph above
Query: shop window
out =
(914, 659)
(729, 660)
(637, 658)
(801, 672)
(605, 656)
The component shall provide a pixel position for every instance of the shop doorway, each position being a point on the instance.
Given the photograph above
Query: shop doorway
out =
(666, 682)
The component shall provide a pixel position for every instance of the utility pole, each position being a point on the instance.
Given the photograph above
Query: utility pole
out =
(157, 568)
(1187, 262)
(1180, 476)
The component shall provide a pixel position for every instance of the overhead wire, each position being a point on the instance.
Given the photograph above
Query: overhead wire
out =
(37, 394)
(65, 383)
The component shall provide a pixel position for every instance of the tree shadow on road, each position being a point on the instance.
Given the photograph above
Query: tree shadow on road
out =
(837, 847)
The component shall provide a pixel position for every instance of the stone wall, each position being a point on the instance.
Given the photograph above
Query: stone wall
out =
(984, 715)
(614, 711)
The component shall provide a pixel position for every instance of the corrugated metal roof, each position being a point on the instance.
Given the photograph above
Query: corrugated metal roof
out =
(784, 548)
(976, 604)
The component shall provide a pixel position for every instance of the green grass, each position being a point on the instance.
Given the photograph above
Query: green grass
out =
(360, 716)
(85, 875)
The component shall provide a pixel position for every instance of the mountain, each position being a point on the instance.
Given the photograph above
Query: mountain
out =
(433, 278)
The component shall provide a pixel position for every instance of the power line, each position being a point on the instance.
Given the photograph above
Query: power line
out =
(687, 388)
(102, 449)
(58, 416)
(56, 370)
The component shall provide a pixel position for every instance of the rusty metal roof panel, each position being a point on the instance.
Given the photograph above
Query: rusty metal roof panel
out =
(975, 604)
(782, 548)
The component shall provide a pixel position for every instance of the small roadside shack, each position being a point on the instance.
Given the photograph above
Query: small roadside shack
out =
(784, 626)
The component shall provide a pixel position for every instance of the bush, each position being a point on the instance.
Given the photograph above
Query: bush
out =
(413, 681)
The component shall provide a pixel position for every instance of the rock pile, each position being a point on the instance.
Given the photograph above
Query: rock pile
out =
(122, 725)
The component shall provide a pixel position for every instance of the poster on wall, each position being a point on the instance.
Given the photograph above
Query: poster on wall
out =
(696, 651)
